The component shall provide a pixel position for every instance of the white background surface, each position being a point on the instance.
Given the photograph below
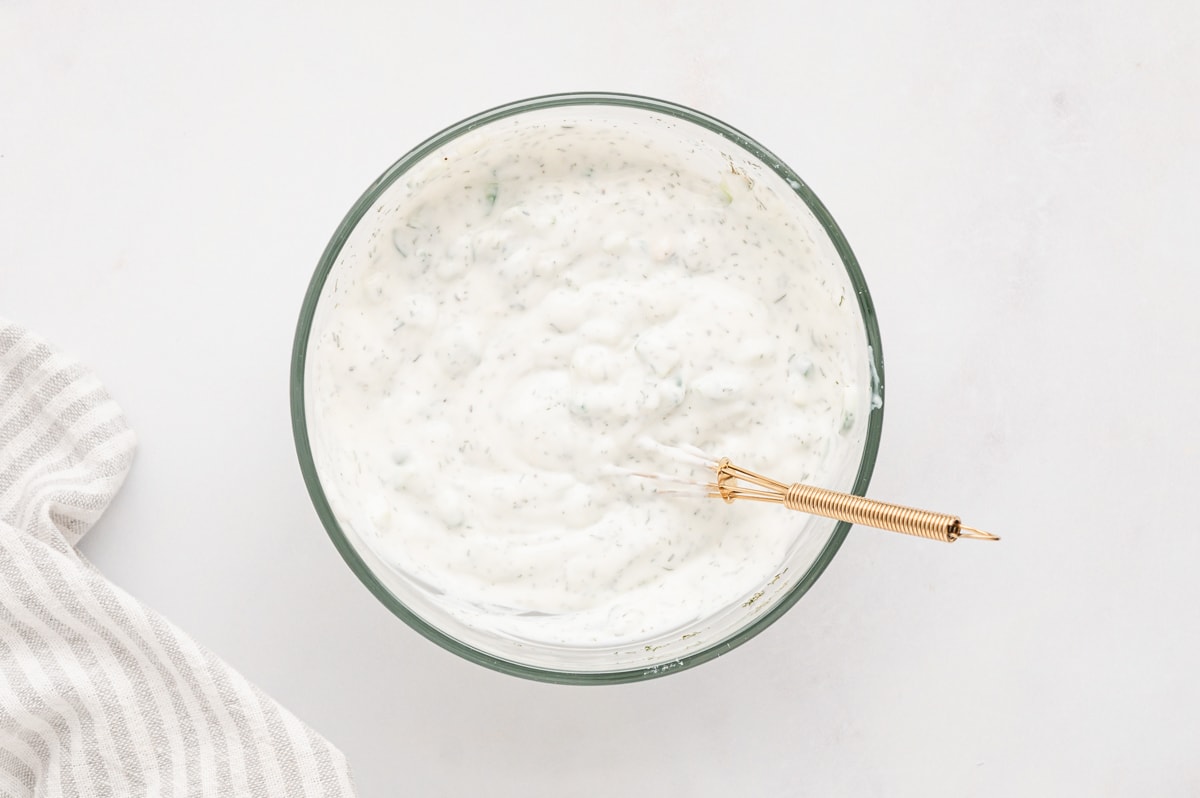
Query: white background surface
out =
(1019, 181)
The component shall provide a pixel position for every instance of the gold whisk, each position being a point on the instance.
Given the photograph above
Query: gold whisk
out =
(840, 506)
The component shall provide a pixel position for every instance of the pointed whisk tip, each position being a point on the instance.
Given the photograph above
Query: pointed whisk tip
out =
(971, 533)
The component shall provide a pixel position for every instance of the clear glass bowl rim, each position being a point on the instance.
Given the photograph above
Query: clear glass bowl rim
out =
(329, 257)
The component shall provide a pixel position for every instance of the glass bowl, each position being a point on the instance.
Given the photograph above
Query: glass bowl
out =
(368, 226)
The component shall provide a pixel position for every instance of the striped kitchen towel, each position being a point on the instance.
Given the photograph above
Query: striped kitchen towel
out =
(99, 695)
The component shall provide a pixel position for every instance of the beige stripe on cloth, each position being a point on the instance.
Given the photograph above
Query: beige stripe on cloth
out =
(100, 696)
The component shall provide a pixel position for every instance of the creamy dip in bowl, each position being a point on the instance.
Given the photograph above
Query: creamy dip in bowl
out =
(537, 302)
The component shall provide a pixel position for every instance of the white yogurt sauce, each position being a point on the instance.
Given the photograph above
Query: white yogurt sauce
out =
(537, 299)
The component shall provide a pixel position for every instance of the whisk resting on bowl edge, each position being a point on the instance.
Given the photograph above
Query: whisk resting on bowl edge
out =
(816, 501)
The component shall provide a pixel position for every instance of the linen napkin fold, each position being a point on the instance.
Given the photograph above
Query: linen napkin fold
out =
(99, 695)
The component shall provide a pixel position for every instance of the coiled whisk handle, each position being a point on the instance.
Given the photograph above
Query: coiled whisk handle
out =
(869, 512)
